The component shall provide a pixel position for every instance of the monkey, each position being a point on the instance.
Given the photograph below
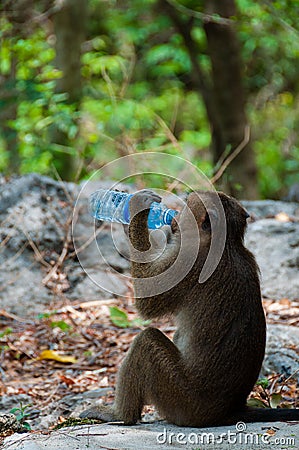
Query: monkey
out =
(204, 376)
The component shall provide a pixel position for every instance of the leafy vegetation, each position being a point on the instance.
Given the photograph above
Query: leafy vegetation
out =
(268, 392)
(120, 319)
(22, 415)
(137, 90)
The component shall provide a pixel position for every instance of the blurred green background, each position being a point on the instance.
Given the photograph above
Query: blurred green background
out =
(85, 81)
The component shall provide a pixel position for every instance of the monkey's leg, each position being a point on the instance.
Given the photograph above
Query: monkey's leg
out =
(152, 372)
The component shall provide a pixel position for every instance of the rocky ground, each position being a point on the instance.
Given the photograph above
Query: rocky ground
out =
(39, 263)
(49, 257)
(161, 435)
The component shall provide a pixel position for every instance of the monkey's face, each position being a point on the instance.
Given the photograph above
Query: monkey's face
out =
(197, 213)
(212, 211)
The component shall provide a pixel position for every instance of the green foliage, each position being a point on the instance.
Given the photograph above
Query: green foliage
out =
(39, 107)
(137, 90)
(46, 315)
(21, 415)
(275, 399)
(256, 403)
(268, 32)
(6, 332)
(65, 327)
(264, 382)
(268, 398)
(277, 144)
(120, 319)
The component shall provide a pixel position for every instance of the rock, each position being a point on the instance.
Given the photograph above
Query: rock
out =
(269, 208)
(33, 213)
(35, 206)
(282, 351)
(21, 280)
(275, 245)
(155, 436)
(35, 217)
(8, 402)
(9, 422)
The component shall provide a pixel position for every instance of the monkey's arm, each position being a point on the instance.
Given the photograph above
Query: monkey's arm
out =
(139, 209)
(149, 265)
(147, 260)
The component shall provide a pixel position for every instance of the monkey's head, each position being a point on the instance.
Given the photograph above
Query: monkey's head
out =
(212, 211)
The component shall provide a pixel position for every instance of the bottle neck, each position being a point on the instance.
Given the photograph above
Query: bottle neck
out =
(169, 214)
(126, 212)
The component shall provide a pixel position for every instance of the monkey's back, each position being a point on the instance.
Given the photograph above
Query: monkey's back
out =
(222, 332)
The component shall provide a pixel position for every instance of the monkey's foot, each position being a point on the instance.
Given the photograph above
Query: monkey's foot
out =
(103, 413)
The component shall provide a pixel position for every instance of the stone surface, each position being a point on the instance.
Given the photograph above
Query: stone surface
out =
(282, 350)
(36, 215)
(9, 422)
(275, 245)
(161, 435)
(270, 208)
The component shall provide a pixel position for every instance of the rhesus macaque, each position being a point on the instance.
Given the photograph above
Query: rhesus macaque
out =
(204, 376)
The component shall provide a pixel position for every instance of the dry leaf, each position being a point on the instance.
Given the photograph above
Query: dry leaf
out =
(51, 354)
(285, 302)
(271, 431)
(67, 380)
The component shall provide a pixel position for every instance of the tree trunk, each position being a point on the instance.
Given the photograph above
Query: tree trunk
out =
(9, 96)
(223, 95)
(19, 14)
(229, 100)
(69, 27)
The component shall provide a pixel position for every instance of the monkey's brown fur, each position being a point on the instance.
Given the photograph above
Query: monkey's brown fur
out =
(203, 378)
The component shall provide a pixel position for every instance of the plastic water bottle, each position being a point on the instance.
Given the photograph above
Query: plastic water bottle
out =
(113, 206)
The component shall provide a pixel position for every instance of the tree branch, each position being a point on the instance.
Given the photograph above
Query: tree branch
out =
(232, 155)
(199, 15)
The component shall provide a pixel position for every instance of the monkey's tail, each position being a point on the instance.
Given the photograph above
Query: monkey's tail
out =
(266, 415)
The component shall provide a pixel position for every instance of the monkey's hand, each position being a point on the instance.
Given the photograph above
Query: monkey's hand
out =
(139, 208)
(105, 413)
(142, 200)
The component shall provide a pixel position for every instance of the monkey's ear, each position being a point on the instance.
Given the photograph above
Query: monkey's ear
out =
(211, 214)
